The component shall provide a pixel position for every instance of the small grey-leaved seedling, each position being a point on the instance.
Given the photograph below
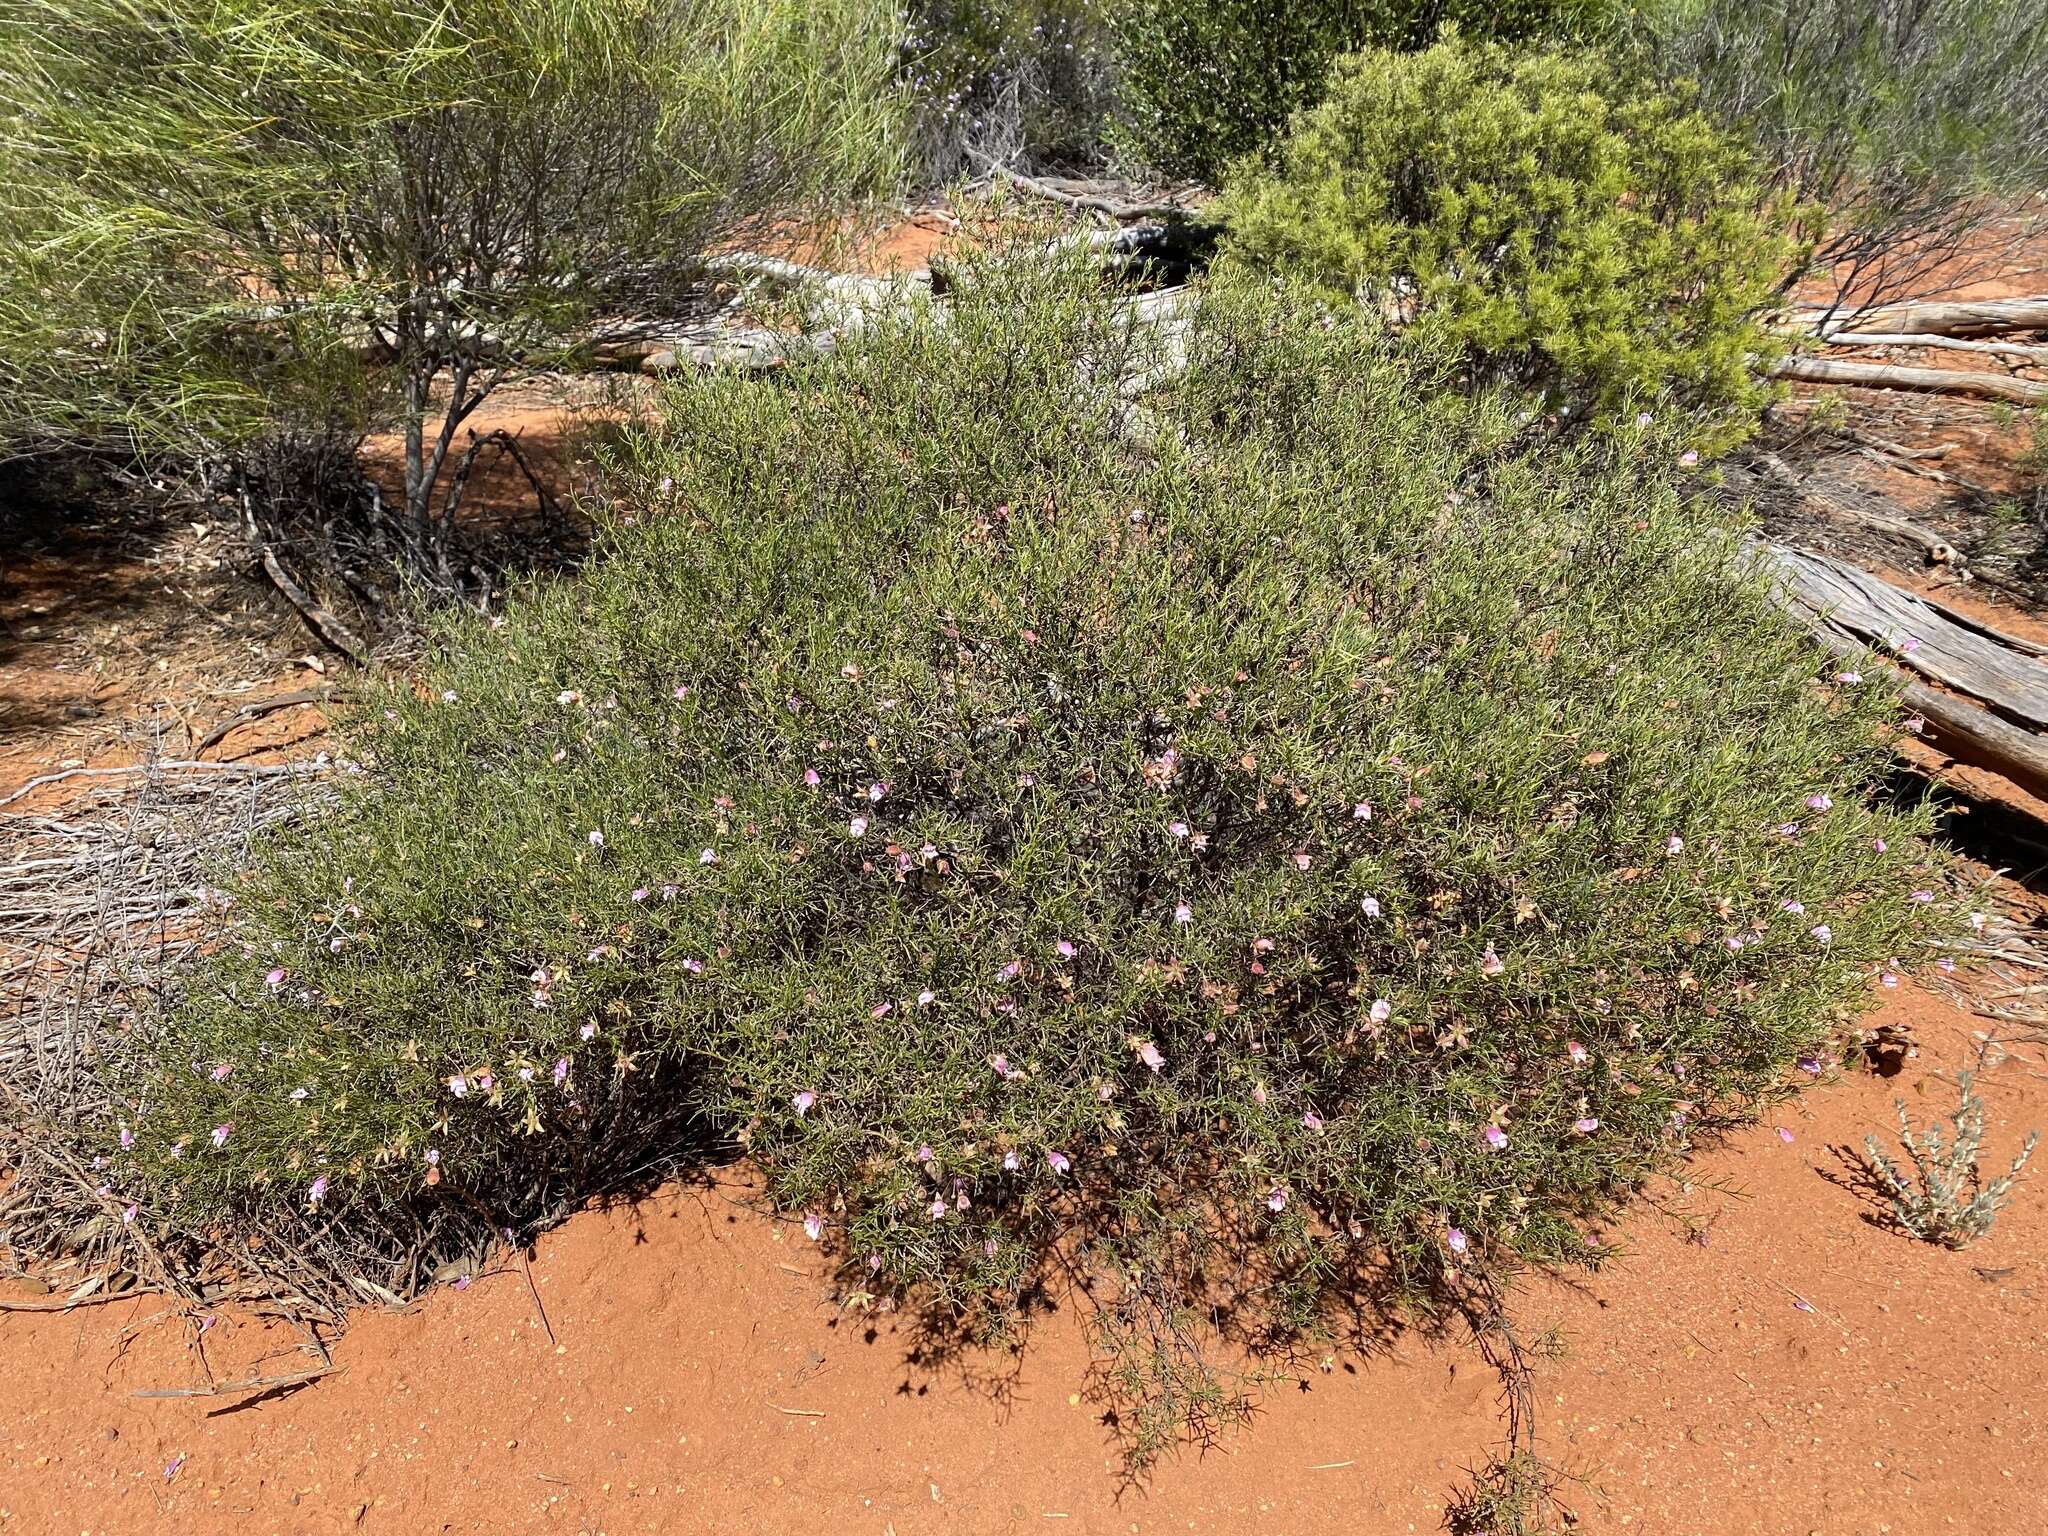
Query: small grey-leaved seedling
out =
(1945, 1200)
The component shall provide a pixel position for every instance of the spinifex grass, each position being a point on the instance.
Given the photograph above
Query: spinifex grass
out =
(1352, 833)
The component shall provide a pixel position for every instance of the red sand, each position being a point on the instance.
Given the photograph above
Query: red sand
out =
(707, 1380)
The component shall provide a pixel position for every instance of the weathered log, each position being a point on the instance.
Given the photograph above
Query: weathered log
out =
(1926, 381)
(1873, 339)
(1108, 207)
(1968, 317)
(1851, 612)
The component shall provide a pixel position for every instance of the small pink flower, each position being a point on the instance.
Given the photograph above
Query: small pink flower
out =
(694, 967)
(1922, 897)
(880, 1010)
(1362, 811)
(485, 1082)
(810, 778)
(1000, 1064)
(1010, 972)
(1057, 1161)
(317, 1191)
(814, 1226)
(1178, 828)
(1494, 1137)
(1586, 1126)
(596, 839)
(1888, 979)
(275, 978)
(1380, 1011)
(707, 856)
(587, 1032)
(1369, 905)
(1823, 933)
(857, 827)
(1312, 1121)
(433, 1157)
(1689, 458)
(1491, 963)
(1011, 1162)
(448, 695)
(1183, 913)
(128, 1216)
(1276, 1198)
(639, 894)
(568, 696)
(875, 793)
(127, 1139)
(1976, 922)
(1456, 1240)
(1064, 949)
(1576, 1052)
(1820, 802)
(561, 1070)
(1148, 1053)
(459, 1086)
(1784, 1134)
(802, 1103)
(1810, 1065)
(924, 999)
(1946, 964)
(1849, 678)
(1642, 420)
(1794, 907)
(1877, 843)
(938, 1207)
(1302, 861)
(220, 1135)
(220, 1073)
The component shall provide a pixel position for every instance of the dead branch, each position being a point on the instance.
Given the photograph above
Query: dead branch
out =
(248, 1384)
(1978, 317)
(1939, 343)
(1107, 207)
(256, 711)
(1935, 381)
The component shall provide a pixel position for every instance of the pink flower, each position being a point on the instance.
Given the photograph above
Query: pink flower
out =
(1823, 933)
(1064, 949)
(880, 1010)
(682, 691)
(1491, 963)
(1057, 1161)
(1362, 811)
(1312, 1121)
(814, 1226)
(802, 1103)
(1380, 1011)
(1689, 458)
(1178, 828)
(587, 1032)
(433, 1157)
(1794, 907)
(127, 1139)
(1888, 979)
(1183, 913)
(561, 1072)
(639, 894)
(1010, 972)
(1302, 861)
(485, 1082)
(1276, 1198)
(1494, 1137)
(1674, 845)
(1642, 420)
(128, 1216)
(1369, 905)
(810, 778)
(459, 1086)
(708, 856)
(1586, 1126)
(938, 1207)
(694, 967)
(875, 793)
(1000, 1064)
(220, 1073)
(1850, 678)
(1576, 1052)
(1148, 1053)
(596, 839)
(857, 827)
(317, 1191)
(924, 999)
(1810, 1065)
(448, 695)
(1820, 802)
(1011, 1162)
(220, 1135)
(1456, 1240)
(1784, 1134)
(1922, 897)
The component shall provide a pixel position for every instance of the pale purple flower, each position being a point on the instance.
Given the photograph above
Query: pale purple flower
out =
(1491, 963)
(526, 1074)
(1810, 1065)
(433, 1157)
(682, 691)
(1909, 645)
(1010, 972)
(857, 827)
(814, 1226)
(880, 1010)
(1312, 1121)
(1877, 843)
(1674, 845)
(1302, 861)
(1178, 828)
(1788, 829)
(1456, 1240)
(220, 1072)
(639, 894)
(810, 778)
(938, 1207)
(802, 1103)
(1362, 811)
(1380, 1011)
(1064, 949)
(1849, 677)
(1796, 908)
(1576, 1052)
(1823, 933)
(448, 695)
(220, 1134)
(1011, 1162)
(561, 1072)
(1000, 1063)
(317, 1191)
(1784, 1133)
(275, 978)
(485, 1082)
(875, 793)
(459, 1086)
(694, 967)
(1689, 458)
(587, 1032)
(128, 1216)
(596, 838)
(127, 1139)
(1888, 979)
(1923, 897)
(925, 999)
(1946, 964)
(1148, 1053)
(1820, 802)
(1369, 905)
(1276, 1198)
(1057, 1161)
(1642, 420)
(708, 856)
(1494, 1137)
(1183, 913)
(1586, 1126)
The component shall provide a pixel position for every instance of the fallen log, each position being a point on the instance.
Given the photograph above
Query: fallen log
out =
(1926, 381)
(1855, 614)
(1876, 339)
(1968, 317)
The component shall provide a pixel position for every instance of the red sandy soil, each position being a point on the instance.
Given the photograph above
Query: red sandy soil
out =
(707, 1378)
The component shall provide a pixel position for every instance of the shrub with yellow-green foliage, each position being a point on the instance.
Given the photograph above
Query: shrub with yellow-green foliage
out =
(1559, 226)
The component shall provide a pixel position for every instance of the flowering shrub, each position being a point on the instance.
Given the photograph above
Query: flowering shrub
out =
(1549, 216)
(1350, 836)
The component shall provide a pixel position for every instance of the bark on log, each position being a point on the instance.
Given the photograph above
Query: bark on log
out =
(1926, 381)
(1938, 343)
(1979, 317)
(1849, 611)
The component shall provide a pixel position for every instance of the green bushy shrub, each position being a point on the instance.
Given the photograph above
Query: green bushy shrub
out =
(1204, 81)
(1556, 223)
(1352, 836)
